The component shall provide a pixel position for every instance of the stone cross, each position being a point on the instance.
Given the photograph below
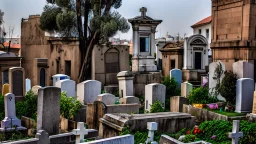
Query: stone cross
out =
(235, 134)
(143, 11)
(152, 126)
(80, 132)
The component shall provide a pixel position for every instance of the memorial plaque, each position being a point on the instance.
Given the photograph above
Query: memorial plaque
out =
(17, 82)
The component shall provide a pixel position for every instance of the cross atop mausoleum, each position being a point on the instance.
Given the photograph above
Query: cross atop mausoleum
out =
(143, 11)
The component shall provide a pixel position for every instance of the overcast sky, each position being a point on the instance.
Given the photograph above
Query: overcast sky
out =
(177, 15)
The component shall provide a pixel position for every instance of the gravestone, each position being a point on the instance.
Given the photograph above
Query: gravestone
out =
(80, 132)
(68, 86)
(177, 75)
(154, 92)
(17, 81)
(254, 104)
(5, 89)
(125, 80)
(186, 88)
(35, 89)
(10, 121)
(28, 85)
(244, 95)
(176, 103)
(88, 91)
(58, 77)
(243, 69)
(152, 127)
(130, 100)
(107, 99)
(212, 82)
(235, 134)
(48, 110)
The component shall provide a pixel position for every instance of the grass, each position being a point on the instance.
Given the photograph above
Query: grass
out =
(229, 114)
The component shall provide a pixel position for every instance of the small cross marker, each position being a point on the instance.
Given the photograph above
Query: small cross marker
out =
(143, 11)
(80, 132)
(235, 134)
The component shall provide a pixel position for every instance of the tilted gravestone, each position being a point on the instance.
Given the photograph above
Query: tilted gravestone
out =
(88, 91)
(154, 92)
(68, 86)
(10, 121)
(107, 99)
(244, 95)
(177, 75)
(48, 110)
(17, 81)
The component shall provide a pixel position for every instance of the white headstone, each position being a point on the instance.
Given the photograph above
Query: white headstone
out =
(58, 77)
(68, 86)
(80, 132)
(130, 100)
(28, 85)
(212, 82)
(154, 92)
(243, 69)
(177, 75)
(186, 88)
(10, 120)
(235, 134)
(151, 126)
(88, 91)
(107, 99)
(244, 95)
(125, 80)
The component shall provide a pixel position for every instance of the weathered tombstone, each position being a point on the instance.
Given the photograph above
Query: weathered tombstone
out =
(68, 86)
(48, 110)
(58, 77)
(5, 89)
(125, 80)
(43, 137)
(176, 103)
(177, 75)
(17, 81)
(80, 132)
(186, 88)
(244, 95)
(28, 85)
(152, 127)
(243, 69)
(235, 134)
(254, 104)
(130, 100)
(154, 92)
(35, 89)
(88, 91)
(10, 121)
(212, 81)
(107, 99)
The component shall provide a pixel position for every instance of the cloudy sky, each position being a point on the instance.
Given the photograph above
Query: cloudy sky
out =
(177, 15)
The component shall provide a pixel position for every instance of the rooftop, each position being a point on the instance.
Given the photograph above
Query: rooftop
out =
(203, 22)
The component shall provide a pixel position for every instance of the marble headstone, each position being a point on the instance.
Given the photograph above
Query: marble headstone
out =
(68, 86)
(107, 99)
(88, 91)
(28, 85)
(177, 75)
(154, 92)
(125, 80)
(212, 82)
(244, 95)
(130, 100)
(243, 69)
(58, 77)
(186, 88)
(48, 109)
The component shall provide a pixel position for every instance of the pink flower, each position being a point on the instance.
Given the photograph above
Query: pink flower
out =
(213, 137)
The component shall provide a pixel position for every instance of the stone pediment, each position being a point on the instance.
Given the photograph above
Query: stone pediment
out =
(197, 42)
(174, 44)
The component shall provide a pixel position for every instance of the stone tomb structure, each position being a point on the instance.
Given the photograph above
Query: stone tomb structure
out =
(144, 29)
(17, 82)
(112, 124)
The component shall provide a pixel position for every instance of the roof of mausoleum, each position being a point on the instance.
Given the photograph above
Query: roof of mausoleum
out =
(203, 22)
(173, 46)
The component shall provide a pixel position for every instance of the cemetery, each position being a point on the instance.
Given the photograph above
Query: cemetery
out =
(73, 85)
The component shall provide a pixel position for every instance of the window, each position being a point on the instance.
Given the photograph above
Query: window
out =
(199, 31)
(68, 68)
(144, 44)
(57, 66)
(172, 64)
(207, 33)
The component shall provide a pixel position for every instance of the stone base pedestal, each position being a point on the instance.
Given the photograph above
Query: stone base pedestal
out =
(251, 117)
(146, 64)
(10, 123)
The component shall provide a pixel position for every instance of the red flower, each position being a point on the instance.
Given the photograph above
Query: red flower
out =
(196, 130)
(188, 132)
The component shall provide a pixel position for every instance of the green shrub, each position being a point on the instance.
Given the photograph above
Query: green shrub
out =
(156, 107)
(201, 96)
(172, 89)
(28, 107)
(228, 87)
(69, 107)
(1, 107)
